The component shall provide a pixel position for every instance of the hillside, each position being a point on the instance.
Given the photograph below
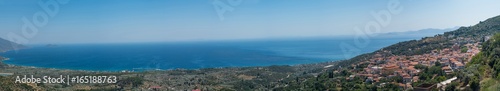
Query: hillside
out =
(425, 45)
(485, 66)
(352, 74)
(429, 32)
(6, 45)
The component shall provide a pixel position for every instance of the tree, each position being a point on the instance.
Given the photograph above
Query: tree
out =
(464, 49)
(440, 78)
(438, 64)
(420, 66)
(330, 74)
(452, 86)
(474, 84)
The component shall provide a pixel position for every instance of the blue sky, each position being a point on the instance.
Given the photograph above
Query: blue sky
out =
(112, 21)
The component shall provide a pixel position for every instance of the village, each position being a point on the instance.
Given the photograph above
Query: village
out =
(409, 67)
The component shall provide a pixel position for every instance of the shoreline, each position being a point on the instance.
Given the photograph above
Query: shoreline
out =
(222, 77)
(325, 63)
(173, 69)
(210, 78)
(170, 66)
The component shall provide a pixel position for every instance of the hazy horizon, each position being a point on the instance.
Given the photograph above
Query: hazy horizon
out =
(126, 21)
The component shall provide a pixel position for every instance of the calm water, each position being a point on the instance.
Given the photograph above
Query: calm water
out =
(115, 57)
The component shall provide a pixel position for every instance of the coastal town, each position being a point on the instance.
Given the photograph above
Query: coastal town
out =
(454, 61)
(405, 67)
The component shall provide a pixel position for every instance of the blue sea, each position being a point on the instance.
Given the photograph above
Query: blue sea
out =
(188, 55)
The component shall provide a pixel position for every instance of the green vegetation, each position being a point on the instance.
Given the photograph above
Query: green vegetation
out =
(464, 49)
(131, 81)
(432, 75)
(486, 65)
(484, 28)
(7, 84)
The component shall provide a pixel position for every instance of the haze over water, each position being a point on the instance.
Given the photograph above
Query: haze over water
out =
(149, 56)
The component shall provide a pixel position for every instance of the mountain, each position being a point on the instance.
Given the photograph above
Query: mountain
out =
(482, 73)
(418, 33)
(484, 28)
(6, 45)
(489, 69)
(462, 35)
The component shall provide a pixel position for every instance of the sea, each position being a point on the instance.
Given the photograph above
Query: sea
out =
(191, 55)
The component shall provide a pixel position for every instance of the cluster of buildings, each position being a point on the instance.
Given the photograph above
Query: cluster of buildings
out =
(451, 59)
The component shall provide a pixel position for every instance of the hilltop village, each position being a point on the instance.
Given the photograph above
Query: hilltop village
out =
(409, 68)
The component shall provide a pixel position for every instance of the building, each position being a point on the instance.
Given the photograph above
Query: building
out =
(443, 84)
(447, 69)
(407, 79)
(458, 65)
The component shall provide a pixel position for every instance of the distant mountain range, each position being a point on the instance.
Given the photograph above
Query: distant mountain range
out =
(429, 32)
(6, 45)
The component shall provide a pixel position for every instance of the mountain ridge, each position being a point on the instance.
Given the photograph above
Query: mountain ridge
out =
(6, 45)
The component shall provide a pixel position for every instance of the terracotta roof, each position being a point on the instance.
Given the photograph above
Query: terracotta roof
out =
(406, 76)
(446, 68)
(411, 68)
(401, 84)
(415, 78)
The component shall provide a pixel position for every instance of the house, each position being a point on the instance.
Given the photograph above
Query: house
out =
(369, 79)
(407, 79)
(401, 86)
(458, 65)
(455, 47)
(351, 77)
(415, 79)
(443, 84)
(390, 69)
(328, 66)
(447, 69)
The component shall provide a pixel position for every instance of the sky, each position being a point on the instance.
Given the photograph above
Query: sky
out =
(118, 21)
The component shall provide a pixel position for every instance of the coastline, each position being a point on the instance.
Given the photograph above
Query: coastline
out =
(256, 57)
(179, 78)
(218, 77)
(224, 77)
(170, 69)
(322, 64)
